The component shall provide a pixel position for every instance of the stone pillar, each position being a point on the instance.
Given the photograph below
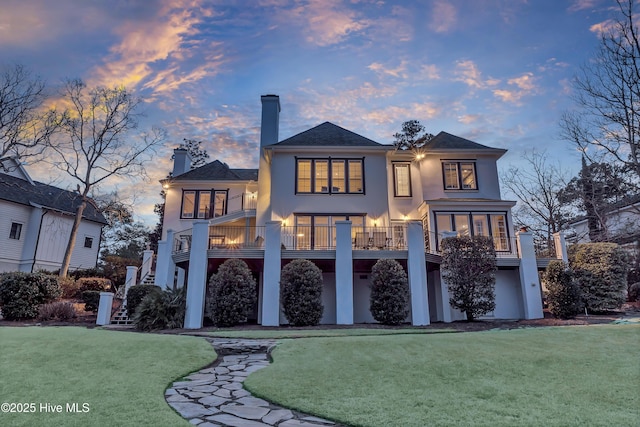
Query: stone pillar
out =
(344, 274)
(561, 246)
(196, 285)
(130, 280)
(104, 309)
(417, 266)
(444, 289)
(529, 280)
(271, 274)
(147, 260)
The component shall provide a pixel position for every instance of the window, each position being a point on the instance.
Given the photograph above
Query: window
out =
(459, 176)
(203, 204)
(329, 176)
(88, 242)
(16, 231)
(492, 225)
(319, 231)
(402, 179)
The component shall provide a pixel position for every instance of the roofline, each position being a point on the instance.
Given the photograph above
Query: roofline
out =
(349, 148)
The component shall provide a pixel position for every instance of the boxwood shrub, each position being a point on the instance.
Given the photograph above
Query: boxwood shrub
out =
(301, 293)
(389, 301)
(563, 293)
(21, 294)
(231, 293)
(91, 300)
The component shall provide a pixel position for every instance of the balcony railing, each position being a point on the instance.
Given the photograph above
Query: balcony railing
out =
(242, 202)
(221, 237)
(505, 247)
(545, 248)
(323, 237)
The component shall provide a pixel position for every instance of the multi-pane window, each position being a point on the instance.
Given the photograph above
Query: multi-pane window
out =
(203, 204)
(459, 176)
(88, 242)
(319, 231)
(492, 225)
(402, 179)
(329, 176)
(16, 231)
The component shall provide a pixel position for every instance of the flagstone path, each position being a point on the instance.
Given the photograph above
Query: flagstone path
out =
(214, 396)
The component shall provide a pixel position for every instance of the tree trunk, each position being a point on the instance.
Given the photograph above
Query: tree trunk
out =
(64, 268)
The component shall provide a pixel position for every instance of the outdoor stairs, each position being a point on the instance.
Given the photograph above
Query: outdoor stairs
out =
(121, 317)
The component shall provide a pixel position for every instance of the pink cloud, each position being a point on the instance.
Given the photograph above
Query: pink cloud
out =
(443, 18)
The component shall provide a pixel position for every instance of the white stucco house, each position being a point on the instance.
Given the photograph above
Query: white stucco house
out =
(343, 201)
(36, 221)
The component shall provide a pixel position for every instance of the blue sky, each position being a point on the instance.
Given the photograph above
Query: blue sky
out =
(495, 71)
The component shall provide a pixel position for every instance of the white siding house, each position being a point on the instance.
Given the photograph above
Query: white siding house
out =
(35, 224)
(343, 201)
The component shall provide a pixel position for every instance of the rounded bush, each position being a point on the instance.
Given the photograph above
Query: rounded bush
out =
(563, 293)
(634, 292)
(69, 287)
(91, 300)
(161, 310)
(21, 294)
(389, 301)
(301, 293)
(99, 284)
(135, 295)
(231, 294)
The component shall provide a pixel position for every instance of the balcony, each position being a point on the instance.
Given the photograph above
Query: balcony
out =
(238, 206)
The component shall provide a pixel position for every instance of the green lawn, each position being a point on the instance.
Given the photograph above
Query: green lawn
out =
(121, 376)
(284, 333)
(571, 376)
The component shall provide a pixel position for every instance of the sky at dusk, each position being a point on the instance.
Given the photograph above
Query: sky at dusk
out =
(497, 72)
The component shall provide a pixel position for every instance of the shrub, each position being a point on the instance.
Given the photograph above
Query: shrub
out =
(21, 294)
(135, 295)
(389, 301)
(601, 272)
(99, 284)
(231, 294)
(301, 292)
(58, 310)
(69, 286)
(91, 300)
(469, 267)
(86, 272)
(563, 293)
(161, 310)
(634, 292)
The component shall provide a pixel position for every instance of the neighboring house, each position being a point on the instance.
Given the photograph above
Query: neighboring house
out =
(343, 201)
(35, 224)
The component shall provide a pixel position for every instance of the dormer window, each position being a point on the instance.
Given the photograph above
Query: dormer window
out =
(329, 176)
(459, 175)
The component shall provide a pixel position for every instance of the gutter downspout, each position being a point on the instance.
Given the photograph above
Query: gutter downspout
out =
(35, 251)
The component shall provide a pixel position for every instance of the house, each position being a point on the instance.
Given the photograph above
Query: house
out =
(36, 220)
(343, 201)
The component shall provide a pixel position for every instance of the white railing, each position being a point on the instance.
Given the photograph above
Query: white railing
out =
(223, 237)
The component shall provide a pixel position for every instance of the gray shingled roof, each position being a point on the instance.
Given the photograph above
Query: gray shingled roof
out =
(217, 170)
(23, 192)
(328, 134)
(445, 141)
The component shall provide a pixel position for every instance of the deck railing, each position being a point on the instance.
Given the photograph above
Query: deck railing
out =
(505, 247)
(242, 202)
(224, 237)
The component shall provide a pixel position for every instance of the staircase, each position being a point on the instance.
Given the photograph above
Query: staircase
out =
(121, 317)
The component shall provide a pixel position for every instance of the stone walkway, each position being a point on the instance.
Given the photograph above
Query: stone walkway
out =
(214, 396)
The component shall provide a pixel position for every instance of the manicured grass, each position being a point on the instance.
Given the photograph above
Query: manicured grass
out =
(569, 376)
(326, 333)
(121, 376)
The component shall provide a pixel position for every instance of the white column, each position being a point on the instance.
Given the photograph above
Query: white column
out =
(130, 280)
(444, 289)
(344, 274)
(104, 309)
(529, 281)
(417, 266)
(196, 285)
(181, 274)
(271, 274)
(147, 260)
(561, 246)
(165, 267)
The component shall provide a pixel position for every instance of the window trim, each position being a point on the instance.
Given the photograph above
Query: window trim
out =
(395, 179)
(330, 187)
(470, 214)
(459, 164)
(15, 233)
(88, 239)
(196, 202)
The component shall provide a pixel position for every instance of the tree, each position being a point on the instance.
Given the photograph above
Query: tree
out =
(98, 142)
(389, 301)
(537, 188)
(301, 292)
(607, 97)
(231, 294)
(413, 136)
(469, 270)
(596, 188)
(24, 129)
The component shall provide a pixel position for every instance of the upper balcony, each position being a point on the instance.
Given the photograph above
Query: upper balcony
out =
(238, 206)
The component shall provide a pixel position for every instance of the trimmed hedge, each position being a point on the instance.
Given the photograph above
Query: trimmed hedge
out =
(389, 301)
(21, 294)
(601, 272)
(135, 295)
(563, 293)
(301, 293)
(231, 293)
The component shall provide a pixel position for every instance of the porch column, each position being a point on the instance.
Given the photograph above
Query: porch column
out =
(147, 260)
(165, 267)
(104, 308)
(529, 280)
(561, 246)
(130, 280)
(344, 274)
(196, 285)
(417, 266)
(444, 288)
(180, 276)
(271, 274)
